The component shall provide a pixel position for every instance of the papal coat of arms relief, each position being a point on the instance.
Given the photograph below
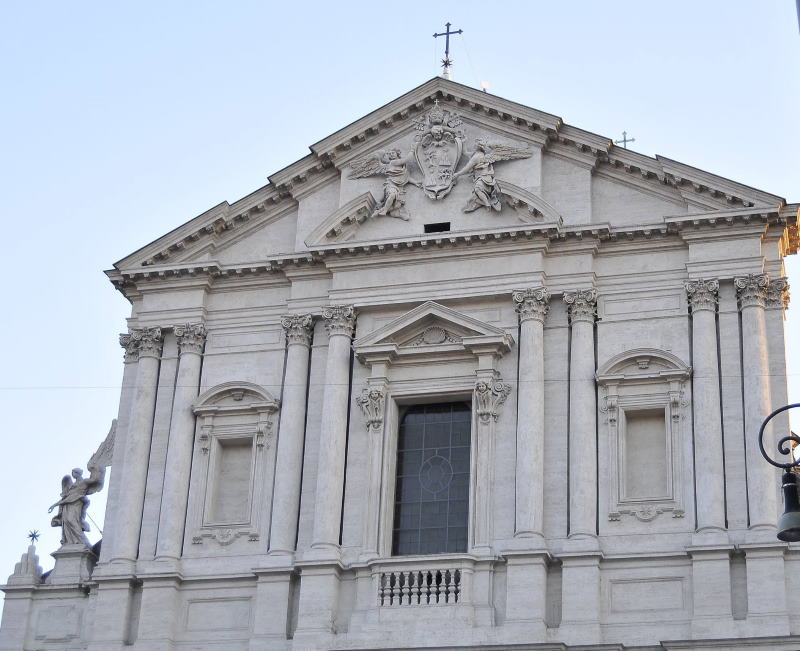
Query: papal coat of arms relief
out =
(437, 152)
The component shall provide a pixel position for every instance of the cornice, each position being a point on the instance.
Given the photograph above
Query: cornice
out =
(697, 226)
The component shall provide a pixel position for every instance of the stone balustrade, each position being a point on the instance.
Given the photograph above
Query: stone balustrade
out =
(419, 587)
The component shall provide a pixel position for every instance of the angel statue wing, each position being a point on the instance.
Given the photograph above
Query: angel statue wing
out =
(367, 166)
(102, 458)
(497, 152)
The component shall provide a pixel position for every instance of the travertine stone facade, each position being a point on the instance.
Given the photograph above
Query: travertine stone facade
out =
(607, 328)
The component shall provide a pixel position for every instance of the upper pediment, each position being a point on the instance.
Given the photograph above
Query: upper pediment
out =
(446, 157)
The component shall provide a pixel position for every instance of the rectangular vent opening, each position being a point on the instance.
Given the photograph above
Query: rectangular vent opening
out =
(438, 227)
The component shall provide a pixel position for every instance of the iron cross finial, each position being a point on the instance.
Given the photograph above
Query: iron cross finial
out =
(625, 140)
(447, 62)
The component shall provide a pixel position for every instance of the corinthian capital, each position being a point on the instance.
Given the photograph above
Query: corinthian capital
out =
(489, 397)
(532, 303)
(581, 304)
(702, 294)
(751, 290)
(339, 319)
(191, 337)
(130, 345)
(778, 294)
(298, 328)
(141, 342)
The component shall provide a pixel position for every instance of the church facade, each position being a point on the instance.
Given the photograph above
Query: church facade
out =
(465, 376)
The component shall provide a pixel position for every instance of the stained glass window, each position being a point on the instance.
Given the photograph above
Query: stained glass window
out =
(432, 489)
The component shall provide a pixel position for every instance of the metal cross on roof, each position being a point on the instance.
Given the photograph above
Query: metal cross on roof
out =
(625, 140)
(447, 62)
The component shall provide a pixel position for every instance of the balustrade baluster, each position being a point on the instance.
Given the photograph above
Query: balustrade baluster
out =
(415, 587)
(395, 600)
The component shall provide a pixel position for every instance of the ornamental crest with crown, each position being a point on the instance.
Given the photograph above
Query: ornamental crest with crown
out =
(438, 148)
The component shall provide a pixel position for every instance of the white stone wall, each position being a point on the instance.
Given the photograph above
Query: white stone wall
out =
(592, 565)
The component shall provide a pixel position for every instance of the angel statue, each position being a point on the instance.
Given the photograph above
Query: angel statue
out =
(486, 189)
(394, 166)
(71, 515)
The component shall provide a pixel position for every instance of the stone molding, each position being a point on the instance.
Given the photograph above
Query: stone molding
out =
(751, 290)
(298, 328)
(581, 304)
(778, 294)
(372, 403)
(532, 303)
(489, 398)
(191, 337)
(339, 320)
(702, 294)
(142, 342)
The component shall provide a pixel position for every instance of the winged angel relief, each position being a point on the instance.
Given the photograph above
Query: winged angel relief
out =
(486, 189)
(438, 148)
(394, 166)
(71, 515)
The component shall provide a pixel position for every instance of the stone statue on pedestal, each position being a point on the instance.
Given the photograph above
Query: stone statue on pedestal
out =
(71, 515)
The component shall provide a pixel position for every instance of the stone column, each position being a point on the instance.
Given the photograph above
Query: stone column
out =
(339, 322)
(581, 305)
(289, 461)
(709, 477)
(532, 306)
(172, 519)
(128, 518)
(751, 291)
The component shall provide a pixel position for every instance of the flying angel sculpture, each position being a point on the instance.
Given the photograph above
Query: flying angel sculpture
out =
(486, 189)
(394, 166)
(71, 515)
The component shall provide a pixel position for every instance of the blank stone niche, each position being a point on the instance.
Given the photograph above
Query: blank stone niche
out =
(643, 398)
(232, 461)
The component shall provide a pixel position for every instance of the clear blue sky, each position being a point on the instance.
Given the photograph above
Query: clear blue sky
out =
(122, 121)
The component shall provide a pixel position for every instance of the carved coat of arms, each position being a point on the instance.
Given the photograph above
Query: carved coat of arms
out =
(437, 150)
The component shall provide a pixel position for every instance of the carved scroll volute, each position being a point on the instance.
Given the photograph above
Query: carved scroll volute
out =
(751, 290)
(702, 294)
(490, 394)
(372, 403)
(582, 305)
(532, 303)
(191, 337)
(298, 328)
(142, 342)
(339, 319)
(778, 294)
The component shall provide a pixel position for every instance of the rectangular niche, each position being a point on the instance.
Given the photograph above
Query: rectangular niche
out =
(231, 481)
(645, 457)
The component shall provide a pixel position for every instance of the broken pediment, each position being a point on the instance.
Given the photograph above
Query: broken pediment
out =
(431, 329)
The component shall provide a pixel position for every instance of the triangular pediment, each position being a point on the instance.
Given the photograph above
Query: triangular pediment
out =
(555, 174)
(432, 329)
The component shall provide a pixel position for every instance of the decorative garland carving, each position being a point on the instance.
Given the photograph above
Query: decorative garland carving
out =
(702, 294)
(298, 328)
(489, 398)
(532, 303)
(581, 304)
(191, 337)
(751, 290)
(339, 319)
(371, 401)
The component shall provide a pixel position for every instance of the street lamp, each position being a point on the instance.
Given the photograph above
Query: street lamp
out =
(789, 522)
